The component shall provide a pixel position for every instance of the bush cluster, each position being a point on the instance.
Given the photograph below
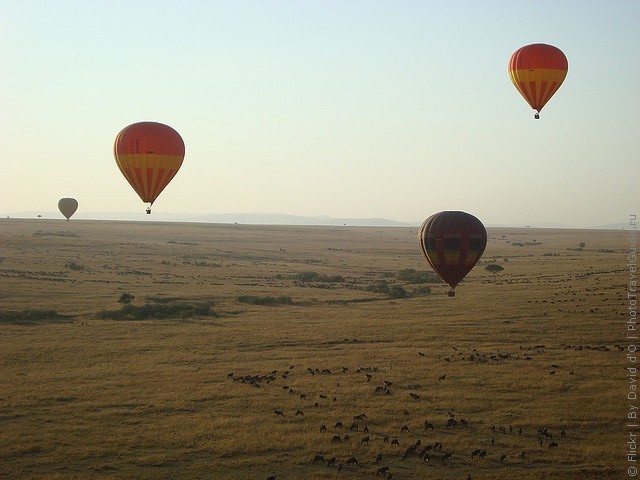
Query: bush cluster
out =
(317, 277)
(29, 316)
(268, 300)
(159, 311)
(412, 276)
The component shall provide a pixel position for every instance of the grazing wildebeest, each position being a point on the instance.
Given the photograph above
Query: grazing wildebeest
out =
(522, 455)
(366, 429)
(475, 453)
(352, 461)
(271, 477)
(446, 456)
(421, 354)
(563, 434)
(318, 459)
(299, 412)
(331, 462)
(324, 397)
(427, 425)
(338, 425)
(382, 470)
(404, 428)
(442, 377)
(278, 413)
(502, 458)
(323, 428)
(408, 452)
(395, 442)
(553, 445)
(365, 440)
(336, 439)
(464, 423)
(378, 458)
(452, 422)
(354, 427)
(415, 396)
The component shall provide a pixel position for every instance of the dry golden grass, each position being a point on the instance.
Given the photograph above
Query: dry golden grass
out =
(84, 397)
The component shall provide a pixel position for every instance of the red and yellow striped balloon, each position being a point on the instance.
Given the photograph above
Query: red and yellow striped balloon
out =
(452, 242)
(537, 71)
(149, 154)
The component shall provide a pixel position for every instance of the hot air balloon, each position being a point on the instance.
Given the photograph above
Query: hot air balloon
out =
(452, 243)
(537, 71)
(67, 207)
(149, 154)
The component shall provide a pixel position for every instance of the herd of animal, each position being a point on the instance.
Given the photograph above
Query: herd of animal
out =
(386, 448)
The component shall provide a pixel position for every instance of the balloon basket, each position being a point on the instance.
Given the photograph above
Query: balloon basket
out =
(451, 293)
(537, 116)
(148, 210)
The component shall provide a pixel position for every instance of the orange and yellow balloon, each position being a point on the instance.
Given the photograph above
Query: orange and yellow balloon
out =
(537, 71)
(149, 154)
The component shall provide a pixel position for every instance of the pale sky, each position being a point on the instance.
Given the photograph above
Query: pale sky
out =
(347, 108)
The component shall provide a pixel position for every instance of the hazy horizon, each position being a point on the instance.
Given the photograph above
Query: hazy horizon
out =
(275, 218)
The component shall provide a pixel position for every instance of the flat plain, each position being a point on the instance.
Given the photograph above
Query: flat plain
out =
(307, 352)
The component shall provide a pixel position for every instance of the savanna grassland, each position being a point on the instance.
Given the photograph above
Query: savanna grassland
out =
(243, 346)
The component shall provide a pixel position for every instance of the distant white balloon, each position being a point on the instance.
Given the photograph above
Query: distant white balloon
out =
(67, 207)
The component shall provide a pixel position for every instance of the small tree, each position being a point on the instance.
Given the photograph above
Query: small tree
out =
(126, 298)
(494, 268)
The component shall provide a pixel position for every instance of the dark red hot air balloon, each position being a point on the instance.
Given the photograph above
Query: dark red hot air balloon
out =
(452, 243)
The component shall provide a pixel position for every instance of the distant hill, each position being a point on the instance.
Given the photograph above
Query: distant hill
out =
(242, 218)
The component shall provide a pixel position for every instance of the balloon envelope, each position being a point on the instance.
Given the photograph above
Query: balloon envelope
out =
(67, 206)
(148, 154)
(537, 71)
(452, 242)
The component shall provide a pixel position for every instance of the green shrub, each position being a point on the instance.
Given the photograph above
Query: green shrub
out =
(412, 276)
(74, 266)
(317, 277)
(398, 292)
(158, 311)
(30, 316)
(268, 300)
